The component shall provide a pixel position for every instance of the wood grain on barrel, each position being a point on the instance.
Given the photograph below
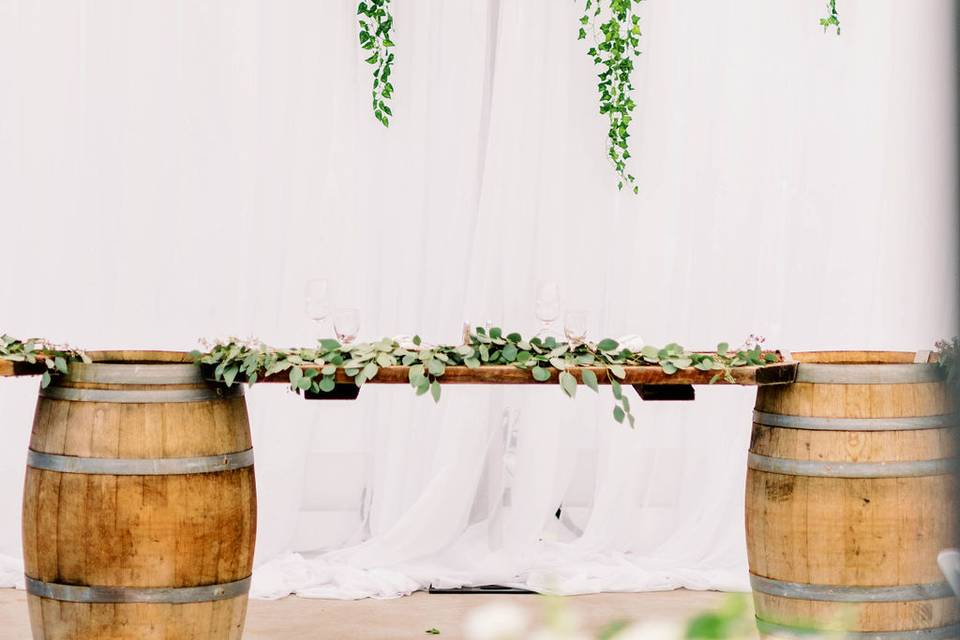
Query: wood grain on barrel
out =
(139, 530)
(852, 532)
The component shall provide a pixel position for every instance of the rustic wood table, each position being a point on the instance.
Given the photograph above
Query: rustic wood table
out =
(849, 451)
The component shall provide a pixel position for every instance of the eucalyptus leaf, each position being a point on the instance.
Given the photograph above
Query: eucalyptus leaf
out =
(607, 345)
(616, 389)
(540, 374)
(568, 383)
(618, 414)
(590, 379)
(296, 373)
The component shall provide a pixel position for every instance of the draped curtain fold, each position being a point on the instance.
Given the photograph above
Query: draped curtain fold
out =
(172, 170)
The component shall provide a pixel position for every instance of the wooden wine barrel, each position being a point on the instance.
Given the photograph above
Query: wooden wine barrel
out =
(850, 496)
(139, 509)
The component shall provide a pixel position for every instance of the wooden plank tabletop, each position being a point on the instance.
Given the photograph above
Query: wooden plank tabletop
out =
(775, 373)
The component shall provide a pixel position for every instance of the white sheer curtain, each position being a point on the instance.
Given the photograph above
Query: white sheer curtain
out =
(171, 170)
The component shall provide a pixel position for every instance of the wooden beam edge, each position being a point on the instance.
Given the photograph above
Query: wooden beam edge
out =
(9, 368)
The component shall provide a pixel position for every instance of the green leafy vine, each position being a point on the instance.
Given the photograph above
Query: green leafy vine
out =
(314, 369)
(615, 39)
(376, 25)
(832, 19)
(39, 351)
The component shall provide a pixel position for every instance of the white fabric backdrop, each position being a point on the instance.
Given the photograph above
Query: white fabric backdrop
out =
(171, 170)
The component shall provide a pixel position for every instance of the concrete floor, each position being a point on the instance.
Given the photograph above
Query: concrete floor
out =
(403, 618)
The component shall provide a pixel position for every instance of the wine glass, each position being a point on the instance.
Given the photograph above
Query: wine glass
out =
(575, 326)
(346, 324)
(317, 300)
(548, 306)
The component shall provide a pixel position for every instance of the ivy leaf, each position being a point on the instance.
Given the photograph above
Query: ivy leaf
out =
(722, 348)
(617, 370)
(568, 383)
(435, 390)
(558, 363)
(45, 380)
(60, 364)
(229, 374)
(618, 414)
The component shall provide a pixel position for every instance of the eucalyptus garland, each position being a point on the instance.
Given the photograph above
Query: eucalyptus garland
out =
(314, 369)
(615, 38)
(36, 350)
(832, 19)
(376, 26)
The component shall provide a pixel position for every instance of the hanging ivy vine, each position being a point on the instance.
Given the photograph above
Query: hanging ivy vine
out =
(376, 26)
(832, 19)
(613, 28)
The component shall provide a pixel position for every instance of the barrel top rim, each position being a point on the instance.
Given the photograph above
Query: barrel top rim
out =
(863, 357)
(140, 357)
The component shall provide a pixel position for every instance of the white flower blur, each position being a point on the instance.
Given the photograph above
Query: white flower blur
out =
(498, 621)
(653, 630)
